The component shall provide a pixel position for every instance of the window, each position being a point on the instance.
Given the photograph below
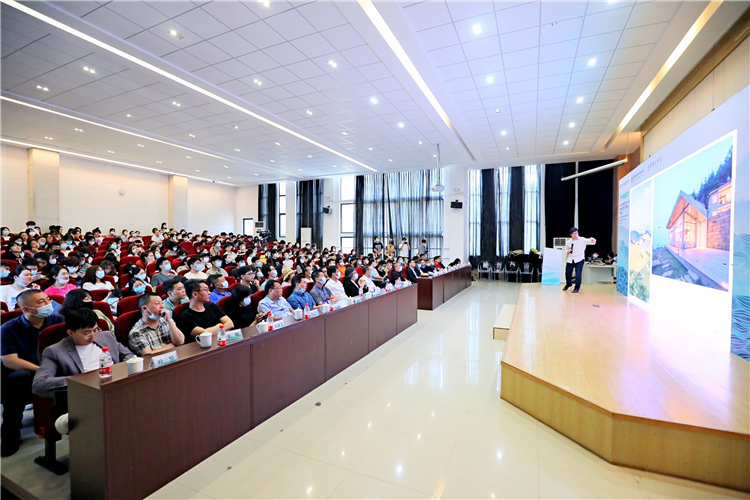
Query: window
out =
(347, 218)
(503, 210)
(282, 209)
(347, 188)
(347, 243)
(531, 204)
(475, 214)
(248, 227)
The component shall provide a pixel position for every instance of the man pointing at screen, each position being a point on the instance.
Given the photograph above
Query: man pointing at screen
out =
(576, 257)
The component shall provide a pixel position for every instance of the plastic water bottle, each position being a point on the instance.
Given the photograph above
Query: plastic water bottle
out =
(306, 311)
(221, 338)
(105, 364)
(331, 307)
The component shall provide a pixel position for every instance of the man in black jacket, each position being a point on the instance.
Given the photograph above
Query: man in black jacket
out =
(412, 273)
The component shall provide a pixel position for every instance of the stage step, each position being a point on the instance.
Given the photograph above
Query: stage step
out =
(502, 324)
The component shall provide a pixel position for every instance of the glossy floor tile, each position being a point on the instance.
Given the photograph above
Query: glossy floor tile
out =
(420, 417)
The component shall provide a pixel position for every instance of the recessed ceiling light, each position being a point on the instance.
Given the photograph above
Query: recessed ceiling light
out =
(175, 103)
(344, 133)
(129, 115)
(192, 135)
(266, 3)
(79, 130)
(571, 124)
(490, 79)
(373, 100)
(497, 111)
(225, 166)
(256, 175)
(309, 156)
(579, 100)
(335, 166)
(420, 143)
(370, 149)
(237, 150)
(89, 70)
(141, 146)
(197, 170)
(257, 82)
(278, 144)
(110, 151)
(434, 156)
(389, 159)
(400, 125)
(48, 138)
(40, 87)
(309, 112)
(236, 127)
(592, 61)
(476, 29)
(228, 177)
(157, 161)
(565, 143)
(332, 63)
(189, 157)
(273, 161)
(299, 169)
(173, 32)
(503, 132)
(507, 148)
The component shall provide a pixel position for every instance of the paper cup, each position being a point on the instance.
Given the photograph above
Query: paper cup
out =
(134, 365)
(262, 327)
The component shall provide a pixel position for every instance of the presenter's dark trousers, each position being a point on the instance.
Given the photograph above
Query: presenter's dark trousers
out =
(569, 273)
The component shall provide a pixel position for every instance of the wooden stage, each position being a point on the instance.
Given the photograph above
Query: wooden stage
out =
(634, 388)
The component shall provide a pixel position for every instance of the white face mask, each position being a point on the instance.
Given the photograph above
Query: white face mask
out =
(355, 276)
(62, 280)
(72, 269)
(246, 301)
(100, 274)
(141, 276)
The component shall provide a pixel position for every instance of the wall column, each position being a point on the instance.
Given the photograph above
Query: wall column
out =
(455, 221)
(178, 202)
(44, 186)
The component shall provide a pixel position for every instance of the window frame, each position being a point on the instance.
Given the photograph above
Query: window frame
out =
(282, 215)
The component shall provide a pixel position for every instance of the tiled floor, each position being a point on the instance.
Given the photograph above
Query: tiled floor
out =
(420, 417)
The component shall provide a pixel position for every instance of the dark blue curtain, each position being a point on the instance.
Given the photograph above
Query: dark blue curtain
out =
(310, 209)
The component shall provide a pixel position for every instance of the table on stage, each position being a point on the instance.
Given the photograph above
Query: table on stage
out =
(437, 290)
(132, 435)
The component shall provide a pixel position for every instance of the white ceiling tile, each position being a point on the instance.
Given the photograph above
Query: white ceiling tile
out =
(559, 11)
(386, 84)
(520, 40)
(632, 54)
(322, 15)
(484, 47)
(447, 55)
(313, 45)
(258, 61)
(561, 31)
(623, 70)
(322, 83)
(231, 14)
(641, 36)
(427, 15)
(207, 52)
(280, 76)
(606, 21)
(112, 22)
(492, 91)
(260, 34)
(601, 60)
(551, 82)
(343, 37)
(151, 43)
(375, 71)
(139, 13)
(198, 22)
(437, 38)
(652, 12)
(487, 65)
(465, 28)
(553, 68)
(360, 56)
(616, 84)
(308, 69)
(234, 68)
(212, 75)
(459, 84)
(466, 95)
(518, 18)
(519, 74)
(299, 88)
(184, 61)
(583, 88)
(273, 8)
(521, 58)
(588, 76)
(555, 51)
(465, 10)
(233, 44)
(598, 43)
(291, 25)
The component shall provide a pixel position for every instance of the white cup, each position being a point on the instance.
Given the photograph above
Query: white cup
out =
(134, 365)
(205, 339)
(262, 327)
(298, 314)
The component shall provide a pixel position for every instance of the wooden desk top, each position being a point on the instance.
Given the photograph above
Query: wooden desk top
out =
(618, 356)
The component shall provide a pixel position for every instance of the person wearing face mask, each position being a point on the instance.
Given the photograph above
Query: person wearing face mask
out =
(320, 293)
(163, 272)
(219, 286)
(77, 353)
(67, 244)
(217, 262)
(93, 279)
(82, 299)
(377, 247)
(156, 331)
(240, 309)
(351, 283)
(108, 265)
(334, 285)
(196, 266)
(269, 273)
(299, 296)
(248, 276)
(5, 234)
(61, 286)
(4, 272)
(14, 252)
(396, 274)
(72, 264)
(32, 265)
(22, 280)
(367, 280)
(175, 290)
(18, 352)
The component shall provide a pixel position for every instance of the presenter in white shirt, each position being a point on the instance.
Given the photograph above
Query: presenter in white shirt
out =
(576, 257)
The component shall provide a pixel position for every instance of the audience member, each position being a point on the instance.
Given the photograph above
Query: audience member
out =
(22, 280)
(156, 331)
(219, 287)
(196, 266)
(334, 285)
(82, 299)
(93, 279)
(202, 315)
(319, 292)
(274, 302)
(240, 309)
(61, 286)
(175, 290)
(351, 286)
(247, 276)
(163, 272)
(216, 267)
(18, 352)
(299, 297)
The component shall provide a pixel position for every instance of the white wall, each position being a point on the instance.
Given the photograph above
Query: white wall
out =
(291, 211)
(211, 207)
(455, 221)
(99, 194)
(332, 221)
(728, 78)
(246, 205)
(15, 187)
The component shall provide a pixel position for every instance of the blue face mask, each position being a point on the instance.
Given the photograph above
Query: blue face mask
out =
(167, 267)
(4, 273)
(139, 289)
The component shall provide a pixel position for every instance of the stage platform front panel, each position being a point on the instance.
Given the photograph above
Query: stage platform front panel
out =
(634, 387)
